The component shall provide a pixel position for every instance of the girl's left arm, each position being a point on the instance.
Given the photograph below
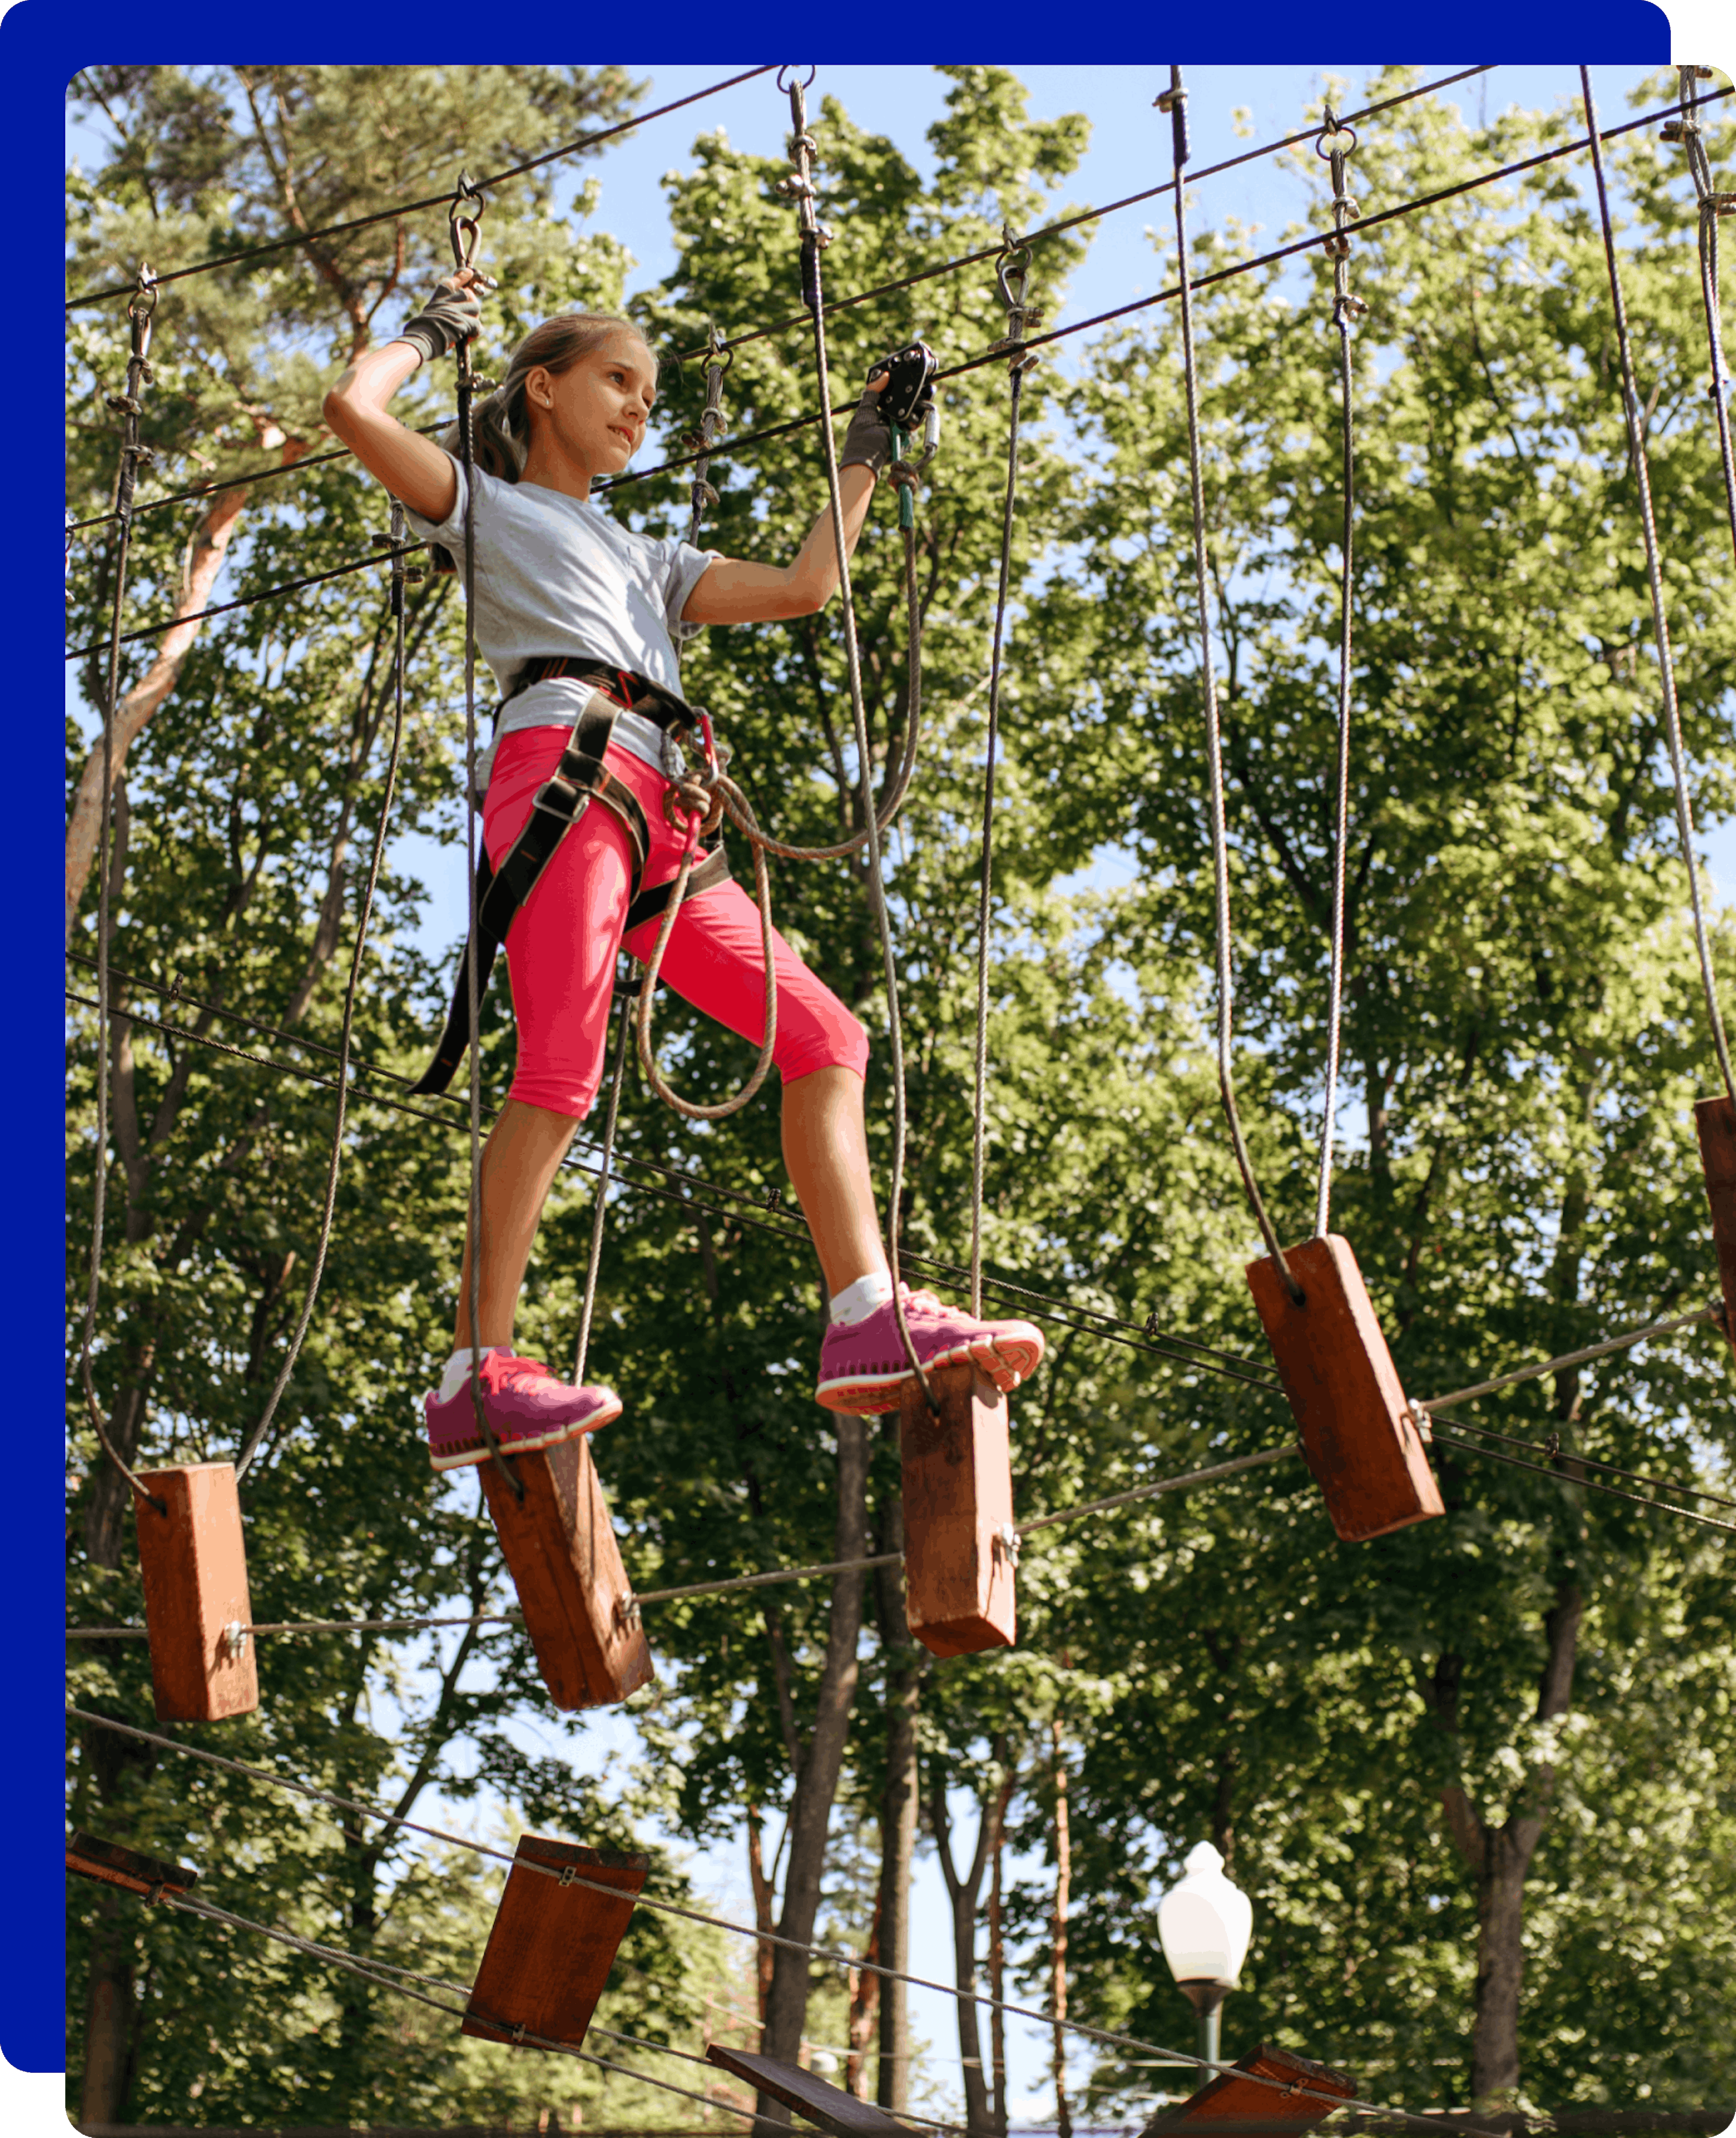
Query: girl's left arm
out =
(733, 591)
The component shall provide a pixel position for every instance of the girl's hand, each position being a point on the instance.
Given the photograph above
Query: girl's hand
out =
(452, 315)
(868, 442)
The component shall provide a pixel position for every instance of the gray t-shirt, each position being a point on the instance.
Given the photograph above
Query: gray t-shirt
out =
(554, 574)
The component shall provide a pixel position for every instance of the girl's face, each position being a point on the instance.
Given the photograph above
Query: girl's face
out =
(595, 411)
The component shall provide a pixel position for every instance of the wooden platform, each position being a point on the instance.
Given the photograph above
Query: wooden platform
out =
(560, 1550)
(1231, 2100)
(1715, 1121)
(1358, 1433)
(194, 1565)
(111, 1865)
(812, 2097)
(551, 1948)
(958, 1491)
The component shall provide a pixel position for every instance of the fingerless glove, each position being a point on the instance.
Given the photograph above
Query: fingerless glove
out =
(449, 317)
(868, 442)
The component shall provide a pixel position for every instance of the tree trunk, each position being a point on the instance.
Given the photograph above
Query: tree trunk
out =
(963, 1893)
(109, 2017)
(763, 1920)
(899, 1805)
(865, 1997)
(205, 560)
(1058, 1935)
(817, 1785)
(997, 1960)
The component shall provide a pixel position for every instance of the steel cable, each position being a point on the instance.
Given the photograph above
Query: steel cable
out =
(1208, 690)
(250, 1447)
(1655, 580)
(1712, 205)
(139, 313)
(1345, 309)
(1712, 1314)
(435, 200)
(1588, 1484)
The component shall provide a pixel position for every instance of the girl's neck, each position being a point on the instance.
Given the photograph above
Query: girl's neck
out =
(549, 468)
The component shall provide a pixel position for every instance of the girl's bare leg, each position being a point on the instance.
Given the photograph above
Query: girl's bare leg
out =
(826, 1150)
(519, 1161)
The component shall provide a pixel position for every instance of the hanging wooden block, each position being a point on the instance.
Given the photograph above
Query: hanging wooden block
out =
(960, 1546)
(1715, 1121)
(1358, 1433)
(553, 1943)
(196, 1601)
(812, 2097)
(1230, 2099)
(112, 1865)
(560, 1550)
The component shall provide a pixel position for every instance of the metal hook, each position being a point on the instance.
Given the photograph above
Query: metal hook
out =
(1014, 260)
(1334, 128)
(784, 87)
(464, 229)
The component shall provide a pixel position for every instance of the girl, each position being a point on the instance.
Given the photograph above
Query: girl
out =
(577, 617)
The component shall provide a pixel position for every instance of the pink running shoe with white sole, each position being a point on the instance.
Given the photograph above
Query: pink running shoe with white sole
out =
(863, 1367)
(526, 1408)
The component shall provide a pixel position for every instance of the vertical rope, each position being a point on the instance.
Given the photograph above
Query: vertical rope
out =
(464, 246)
(1712, 205)
(334, 1159)
(140, 308)
(1175, 102)
(1655, 580)
(1013, 271)
(1345, 307)
(801, 188)
(625, 991)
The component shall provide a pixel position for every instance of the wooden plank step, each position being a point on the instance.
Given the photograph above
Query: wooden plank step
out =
(112, 1865)
(551, 1946)
(811, 2097)
(1358, 1433)
(1714, 1121)
(194, 1564)
(560, 1550)
(959, 1546)
(1231, 2100)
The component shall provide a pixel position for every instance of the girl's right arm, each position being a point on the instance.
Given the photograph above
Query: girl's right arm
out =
(412, 467)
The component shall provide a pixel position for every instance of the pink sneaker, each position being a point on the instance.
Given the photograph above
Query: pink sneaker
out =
(525, 1406)
(863, 1368)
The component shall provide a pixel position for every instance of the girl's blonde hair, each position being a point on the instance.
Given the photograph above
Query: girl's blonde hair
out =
(502, 421)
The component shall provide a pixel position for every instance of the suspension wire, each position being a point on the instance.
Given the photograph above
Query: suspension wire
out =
(1589, 1484)
(625, 989)
(334, 1161)
(770, 1577)
(570, 1876)
(1013, 271)
(1712, 1314)
(1073, 222)
(1712, 204)
(799, 187)
(1254, 262)
(1655, 580)
(246, 600)
(434, 200)
(1039, 1306)
(1552, 1448)
(1345, 309)
(128, 405)
(1175, 101)
(464, 236)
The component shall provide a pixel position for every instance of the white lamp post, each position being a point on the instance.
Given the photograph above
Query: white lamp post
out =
(1205, 1922)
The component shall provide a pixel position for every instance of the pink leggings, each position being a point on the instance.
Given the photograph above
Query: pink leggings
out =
(561, 946)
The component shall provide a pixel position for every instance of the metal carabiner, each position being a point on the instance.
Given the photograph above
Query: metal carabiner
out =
(1014, 260)
(465, 230)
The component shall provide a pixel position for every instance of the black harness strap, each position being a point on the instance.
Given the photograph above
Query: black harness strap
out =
(581, 777)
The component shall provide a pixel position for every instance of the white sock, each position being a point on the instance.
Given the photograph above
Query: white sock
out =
(457, 1370)
(856, 1301)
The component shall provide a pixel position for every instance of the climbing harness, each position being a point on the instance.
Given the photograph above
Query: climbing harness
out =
(1335, 143)
(141, 309)
(1174, 101)
(395, 542)
(1654, 582)
(1012, 272)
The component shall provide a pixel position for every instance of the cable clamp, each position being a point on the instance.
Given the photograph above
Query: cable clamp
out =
(1006, 1543)
(1167, 99)
(568, 1872)
(1347, 307)
(627, 1613)
(1680, 129)
(518, 2035)
(1424, 1423)
(236, 1638)
(795, 187)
